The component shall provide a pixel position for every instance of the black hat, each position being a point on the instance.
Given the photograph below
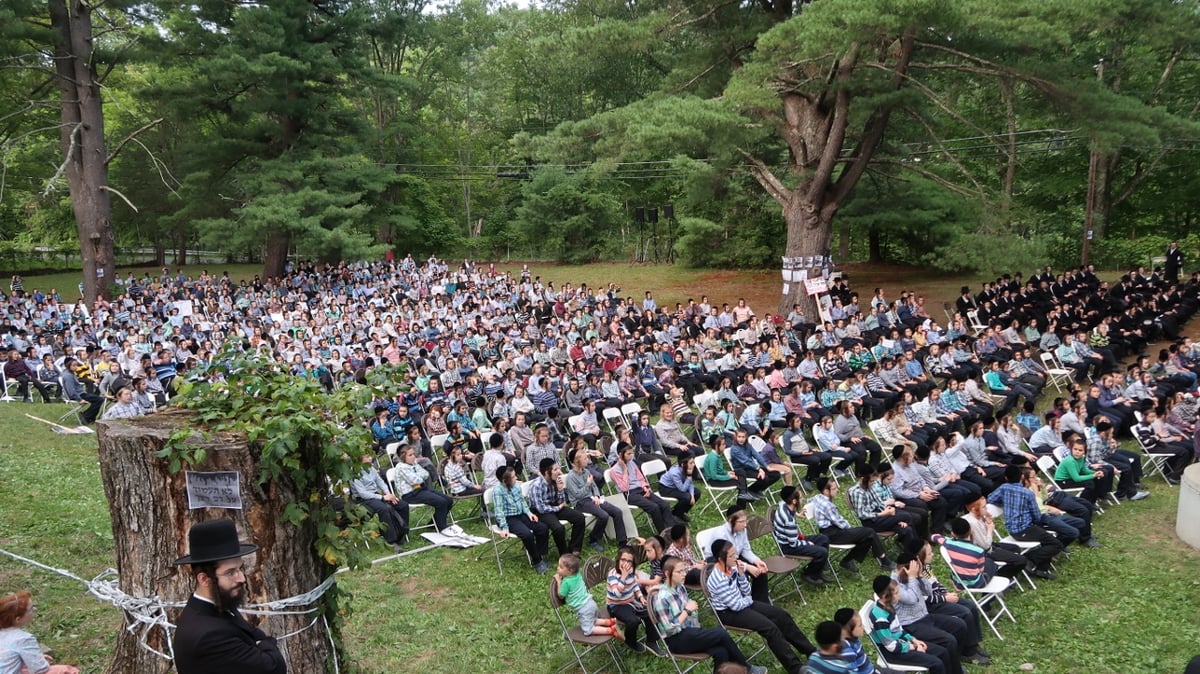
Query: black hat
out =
(213, 541)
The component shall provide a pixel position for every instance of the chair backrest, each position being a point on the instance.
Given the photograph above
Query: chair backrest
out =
(438, 442)
(759, 526)
(1046, 465)
(390, 476)
(555, 600)
(995, 511)
(810, 512)
(595, 570)
(757, 443)
(573, 422)
(1048, 360)
(705, 539)
(1060, 453)
(653, 467)
(631, 410)
(611, 413)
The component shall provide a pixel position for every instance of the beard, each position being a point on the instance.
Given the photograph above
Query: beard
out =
(231, 599)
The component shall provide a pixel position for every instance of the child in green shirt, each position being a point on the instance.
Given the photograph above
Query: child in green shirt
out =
(575, 594)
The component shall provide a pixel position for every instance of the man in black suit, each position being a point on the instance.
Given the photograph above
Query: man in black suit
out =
(211, 637)
(1174, 262)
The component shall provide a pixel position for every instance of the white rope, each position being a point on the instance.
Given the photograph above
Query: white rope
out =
(144, 614)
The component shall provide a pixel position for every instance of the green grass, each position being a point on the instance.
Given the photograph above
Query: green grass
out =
(1121, 608)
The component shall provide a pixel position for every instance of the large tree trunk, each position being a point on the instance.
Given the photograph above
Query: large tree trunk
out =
(809, 234)
(82, 140)
(276, 254)
(150, 521)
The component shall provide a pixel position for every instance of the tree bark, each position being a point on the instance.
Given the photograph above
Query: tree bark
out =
(809, 234)
(150, 521)
(276, 254)
(82, 140)
(875, 255)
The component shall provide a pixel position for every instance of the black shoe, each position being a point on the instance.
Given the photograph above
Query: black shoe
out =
(850, 565)
(814, 581)
(636, 647)
(887, 564)
(1043, 574)
(977, 659)
(657, 649)
(682, 517)
(827, 578)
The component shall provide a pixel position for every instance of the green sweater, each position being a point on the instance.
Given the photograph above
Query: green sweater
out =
(714, 467)
(1074, 470)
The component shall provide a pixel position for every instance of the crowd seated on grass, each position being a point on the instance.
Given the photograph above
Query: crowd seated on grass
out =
(606, 407)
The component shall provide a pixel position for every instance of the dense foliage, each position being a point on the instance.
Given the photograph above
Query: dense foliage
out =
(342, 128)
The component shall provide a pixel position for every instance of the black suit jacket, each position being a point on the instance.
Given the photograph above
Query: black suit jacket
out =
(210, 642)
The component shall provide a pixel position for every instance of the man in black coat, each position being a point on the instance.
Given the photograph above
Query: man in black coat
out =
(1174, 262)
(211, 637)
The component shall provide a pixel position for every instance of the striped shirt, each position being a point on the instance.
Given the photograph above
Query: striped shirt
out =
(624, 590)
(784, 527)
(886, 631)
(728, 591)
(968, 562)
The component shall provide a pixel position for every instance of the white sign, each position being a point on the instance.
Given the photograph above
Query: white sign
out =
(815, 286)
(218, 489)
(185, 308)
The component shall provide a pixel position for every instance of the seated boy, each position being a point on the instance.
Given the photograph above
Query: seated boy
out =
(574, 592)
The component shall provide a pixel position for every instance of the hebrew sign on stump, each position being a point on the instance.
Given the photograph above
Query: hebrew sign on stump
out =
(151, 518)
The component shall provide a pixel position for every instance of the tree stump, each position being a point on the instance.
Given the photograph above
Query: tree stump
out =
(151, 518)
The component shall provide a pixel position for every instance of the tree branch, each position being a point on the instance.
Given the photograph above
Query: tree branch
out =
(953, 160)
(767, 179)
(117, 150)
(66, 160)
(876, 125)
(953, 187)
(115, 191)
(1139, 176)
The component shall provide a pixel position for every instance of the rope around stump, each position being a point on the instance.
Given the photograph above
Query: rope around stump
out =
(144, 614)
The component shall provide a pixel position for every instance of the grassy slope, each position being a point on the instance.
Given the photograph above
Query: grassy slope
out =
(1116, 609)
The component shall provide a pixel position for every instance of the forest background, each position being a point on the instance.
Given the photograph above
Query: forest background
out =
(961, 136)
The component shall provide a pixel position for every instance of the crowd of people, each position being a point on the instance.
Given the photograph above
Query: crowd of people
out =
(520, 389)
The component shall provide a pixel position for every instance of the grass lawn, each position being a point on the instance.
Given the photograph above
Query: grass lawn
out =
(1120, 608)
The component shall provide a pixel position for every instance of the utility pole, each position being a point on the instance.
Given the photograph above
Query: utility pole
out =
(1090, 204)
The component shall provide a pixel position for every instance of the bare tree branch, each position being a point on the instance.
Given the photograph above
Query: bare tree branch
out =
(66, 159)
(110, 188)
(949, 155)
(909, 166)
(1139, 176)
(161, 166)
(117, 150)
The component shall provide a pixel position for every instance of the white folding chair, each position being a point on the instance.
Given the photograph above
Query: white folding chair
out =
(982, 596)
(499, 541)
(1059, 375)
(6, 385)
(611, 415)
(810, 515)
(1155, 461)
(413, 508)
(631, 411)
